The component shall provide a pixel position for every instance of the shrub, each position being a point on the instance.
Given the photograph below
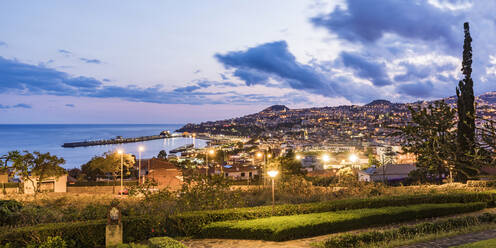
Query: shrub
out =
(307, 225)
(9, 211)
(53, 242)
(481, 183)
(190, 223)
(165, 242)
(406, 232)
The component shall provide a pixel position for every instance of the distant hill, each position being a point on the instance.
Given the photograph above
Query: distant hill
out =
(276, 108)
(378, 102)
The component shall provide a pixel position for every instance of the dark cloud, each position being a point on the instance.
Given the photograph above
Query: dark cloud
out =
(106, 80)
(273, 59)
(366, 69)
(418, 90)
(20, 105)
(367, 21)
(91, 61)
(2, 43)
(419, 72)
(70, 105)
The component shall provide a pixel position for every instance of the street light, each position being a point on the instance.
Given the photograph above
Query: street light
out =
(211, 152)
(272, 174)
(326, 159)
(140, 149)
(353, 158)
(298, 157)
(120, 152)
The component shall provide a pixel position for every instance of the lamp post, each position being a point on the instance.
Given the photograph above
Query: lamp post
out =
(140, 149)
(272, 174)
(122, 170)
(325, 159)
(353, 159)
(211, 152)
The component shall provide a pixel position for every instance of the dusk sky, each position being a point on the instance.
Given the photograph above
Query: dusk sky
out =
(191, 61)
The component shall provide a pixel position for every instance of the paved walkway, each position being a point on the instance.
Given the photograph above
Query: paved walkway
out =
(456, 240)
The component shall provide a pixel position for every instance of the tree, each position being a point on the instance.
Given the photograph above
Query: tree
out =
(431, 137)
(36, 167)
(289, 164)
(162, 155)
(465, 139)
(110, 163)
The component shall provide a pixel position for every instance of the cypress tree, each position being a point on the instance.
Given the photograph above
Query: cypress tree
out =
(466, 112)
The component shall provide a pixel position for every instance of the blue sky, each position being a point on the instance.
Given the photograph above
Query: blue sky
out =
(190, 61)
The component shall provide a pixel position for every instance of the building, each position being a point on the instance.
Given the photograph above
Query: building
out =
(239, 172)
(390, 173)
(51, 184)
(164, 173)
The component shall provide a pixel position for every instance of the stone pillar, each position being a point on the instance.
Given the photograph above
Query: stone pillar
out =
(113, 230)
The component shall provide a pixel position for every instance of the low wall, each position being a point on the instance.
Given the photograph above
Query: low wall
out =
(92, 189)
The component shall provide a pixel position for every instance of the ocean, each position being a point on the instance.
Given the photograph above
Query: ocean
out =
(49, 138)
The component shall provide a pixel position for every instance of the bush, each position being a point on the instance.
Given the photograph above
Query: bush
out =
(165, 242)
(102, 183)
(282, 228)
(190, 223)
(406, 232)
(83, 233)
(9, 211)
(53, 242)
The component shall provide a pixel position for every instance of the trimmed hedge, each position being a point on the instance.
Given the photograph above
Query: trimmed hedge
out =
(406, 232)
(165, 242)
(481, 183)
(82, 233)
(190, 223)
(282, 228)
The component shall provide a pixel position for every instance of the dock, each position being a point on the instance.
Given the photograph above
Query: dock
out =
(117, 140)
(181, 148)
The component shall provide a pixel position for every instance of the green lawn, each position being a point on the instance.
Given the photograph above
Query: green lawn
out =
(281, 228)
(490, 243)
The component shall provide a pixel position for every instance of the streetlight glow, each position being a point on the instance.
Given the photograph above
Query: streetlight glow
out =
(120, 151)
(269, 156)
(211, 152)
(326, 158)
(141, 148)
(259, 154)
(353, 158)
(298, 156)
(273, 173)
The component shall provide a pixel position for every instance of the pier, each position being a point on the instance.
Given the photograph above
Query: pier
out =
(117, 140)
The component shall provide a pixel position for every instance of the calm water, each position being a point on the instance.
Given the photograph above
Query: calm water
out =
(49, 138)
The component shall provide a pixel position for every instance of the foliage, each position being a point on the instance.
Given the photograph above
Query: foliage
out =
(9, 211)
(406, 232)
(109, 163)
(465, 139)
(165, 242)
(162, 155)
(144, 189)
(53, 242)
(36, 167)
(431, 137)
(307, 225)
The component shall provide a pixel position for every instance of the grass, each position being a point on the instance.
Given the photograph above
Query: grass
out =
(481, 244)
(282, 228)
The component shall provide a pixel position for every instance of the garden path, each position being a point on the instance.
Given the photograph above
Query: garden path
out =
(456, 240)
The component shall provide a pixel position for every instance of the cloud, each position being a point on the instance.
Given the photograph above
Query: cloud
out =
(20, 105)
(2, 43)
(90, 61)
(70, 105)
(65, 52)
(418, 90)
(367, 21)
(251, 77)
(26, 79)
(366, 68)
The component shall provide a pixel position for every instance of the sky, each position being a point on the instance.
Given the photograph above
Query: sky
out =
(167, 61)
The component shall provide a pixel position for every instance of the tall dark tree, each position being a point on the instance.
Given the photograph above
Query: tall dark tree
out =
(466, 111)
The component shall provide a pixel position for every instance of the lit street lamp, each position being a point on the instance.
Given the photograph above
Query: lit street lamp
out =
(298, 157)
(140, 149)
(272, 174)
(353, 159)
(122, 170)
(326, 159)
(211, 152)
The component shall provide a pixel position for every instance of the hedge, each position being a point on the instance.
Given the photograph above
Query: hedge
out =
(406, 232)
(481, 183)
(282, 228)
(190, 223)
(165, 242)
(82, 233)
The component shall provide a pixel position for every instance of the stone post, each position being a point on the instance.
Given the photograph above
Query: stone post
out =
(113, 230)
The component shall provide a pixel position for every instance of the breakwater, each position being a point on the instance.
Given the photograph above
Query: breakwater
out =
(118, 140)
